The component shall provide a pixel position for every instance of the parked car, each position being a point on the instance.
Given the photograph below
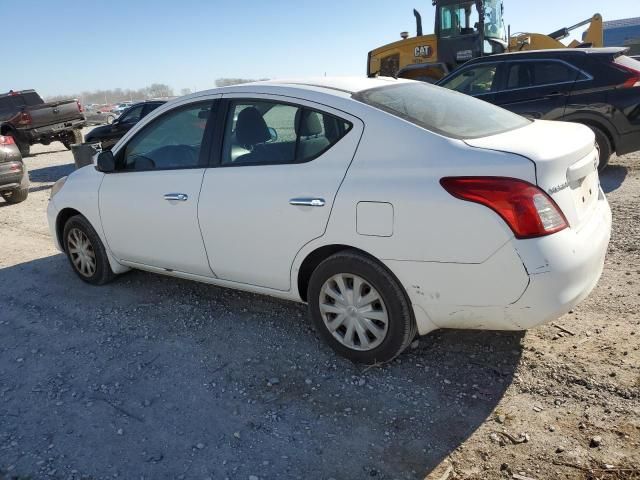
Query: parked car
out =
(14, 179)
(390, 206)
(29, 120)
(599, 88)
(98, 117)
(108, 135)
(121, 107)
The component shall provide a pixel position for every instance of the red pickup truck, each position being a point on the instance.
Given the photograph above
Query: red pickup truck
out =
(29, 120)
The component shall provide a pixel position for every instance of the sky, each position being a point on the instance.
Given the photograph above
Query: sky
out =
(70, 46)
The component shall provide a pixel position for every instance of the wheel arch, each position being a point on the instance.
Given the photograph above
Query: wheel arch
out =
(61, 220)
(321, 253)
(603, 125)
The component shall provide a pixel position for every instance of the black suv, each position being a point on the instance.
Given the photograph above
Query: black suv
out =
(598, 87)
(108, 135)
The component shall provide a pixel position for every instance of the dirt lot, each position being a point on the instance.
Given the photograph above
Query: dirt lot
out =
(153, 377)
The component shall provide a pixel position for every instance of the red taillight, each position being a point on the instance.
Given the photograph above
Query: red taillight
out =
(634, 80)
(80, 108)
(25, 118)
(5, 140)
(528, 210)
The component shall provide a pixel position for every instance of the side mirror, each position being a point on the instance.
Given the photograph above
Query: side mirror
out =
(273, 133)
(106, 162)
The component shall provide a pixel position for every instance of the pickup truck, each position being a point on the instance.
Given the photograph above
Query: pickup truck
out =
(29, 120)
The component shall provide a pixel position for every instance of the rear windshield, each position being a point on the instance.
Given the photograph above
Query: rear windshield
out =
(628, 62)
(442, 111)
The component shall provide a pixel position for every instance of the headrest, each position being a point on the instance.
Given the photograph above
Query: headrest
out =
(251, 128)
(310, 123)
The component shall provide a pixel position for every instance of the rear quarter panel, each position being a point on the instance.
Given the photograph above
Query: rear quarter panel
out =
(402, 164)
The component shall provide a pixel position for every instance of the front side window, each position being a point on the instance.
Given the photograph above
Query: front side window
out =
(539, 73)
(132, 115)
(442, 111)
(170, 141)
(267, 133)
(474, 81)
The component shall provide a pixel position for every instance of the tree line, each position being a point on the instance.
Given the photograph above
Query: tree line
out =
(155, 90)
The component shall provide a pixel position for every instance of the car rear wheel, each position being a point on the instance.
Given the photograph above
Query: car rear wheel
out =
(359, 308)
(85, 251)
(21, 193)
(603, 145)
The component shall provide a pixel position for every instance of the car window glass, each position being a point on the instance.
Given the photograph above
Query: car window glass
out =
(263, 132)
(149, 107)
(474, 81)
(539, 73)
(442, 111)
(132, 115)
(170, 141)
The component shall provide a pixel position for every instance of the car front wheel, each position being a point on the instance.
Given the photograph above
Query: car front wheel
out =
(85, 251)
(360, 309)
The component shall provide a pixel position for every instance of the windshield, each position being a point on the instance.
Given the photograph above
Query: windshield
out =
(493, 23)
(442, 111)
(459, 19)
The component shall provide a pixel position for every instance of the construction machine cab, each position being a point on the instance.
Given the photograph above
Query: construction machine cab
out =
(467, 29)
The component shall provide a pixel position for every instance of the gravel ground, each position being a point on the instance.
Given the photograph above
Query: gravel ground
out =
(154, 377)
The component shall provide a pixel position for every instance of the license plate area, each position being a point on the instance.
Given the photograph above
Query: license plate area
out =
(585, 194)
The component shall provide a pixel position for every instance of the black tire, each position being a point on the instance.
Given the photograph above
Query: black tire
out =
(21, 193)
(72, 137)
(603, 144)
(401, 328)
(102, 273)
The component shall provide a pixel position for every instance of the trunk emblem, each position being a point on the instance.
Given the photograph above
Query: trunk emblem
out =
(557, 188)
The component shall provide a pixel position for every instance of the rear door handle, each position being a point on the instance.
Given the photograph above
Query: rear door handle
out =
(179, 197)
(307, 202)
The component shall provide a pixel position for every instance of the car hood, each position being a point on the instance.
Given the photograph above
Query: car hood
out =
(99, 132)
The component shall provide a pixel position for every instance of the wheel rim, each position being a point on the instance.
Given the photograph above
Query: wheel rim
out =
(81, 252)
(353, 311)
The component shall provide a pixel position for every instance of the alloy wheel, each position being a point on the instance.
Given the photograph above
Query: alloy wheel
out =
(81, 252)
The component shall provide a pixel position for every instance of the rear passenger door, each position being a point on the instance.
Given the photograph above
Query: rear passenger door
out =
(272, 185)
(536, 89)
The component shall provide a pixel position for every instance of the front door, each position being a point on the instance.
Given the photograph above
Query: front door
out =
(279, 170)
(148, 206)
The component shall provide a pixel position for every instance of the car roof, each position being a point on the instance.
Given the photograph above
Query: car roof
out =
(551, 53)
(341, 86)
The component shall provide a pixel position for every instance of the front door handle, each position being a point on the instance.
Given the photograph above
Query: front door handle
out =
(307, 202)
(179, 197)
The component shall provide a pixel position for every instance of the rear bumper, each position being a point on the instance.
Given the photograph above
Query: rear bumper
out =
(11, 174)
(53, 131)
(563, 268)
(524, 284)
(628, 143)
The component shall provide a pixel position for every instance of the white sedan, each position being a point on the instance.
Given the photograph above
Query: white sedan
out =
(391, 207)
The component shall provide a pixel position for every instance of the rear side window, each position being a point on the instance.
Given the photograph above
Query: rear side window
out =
(442, 111)
(268, 133)
(539, 73)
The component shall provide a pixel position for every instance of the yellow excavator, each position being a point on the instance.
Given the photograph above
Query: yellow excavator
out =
(464, 30)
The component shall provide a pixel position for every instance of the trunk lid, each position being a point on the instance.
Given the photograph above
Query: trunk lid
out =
(54, 112)
(565, 161)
